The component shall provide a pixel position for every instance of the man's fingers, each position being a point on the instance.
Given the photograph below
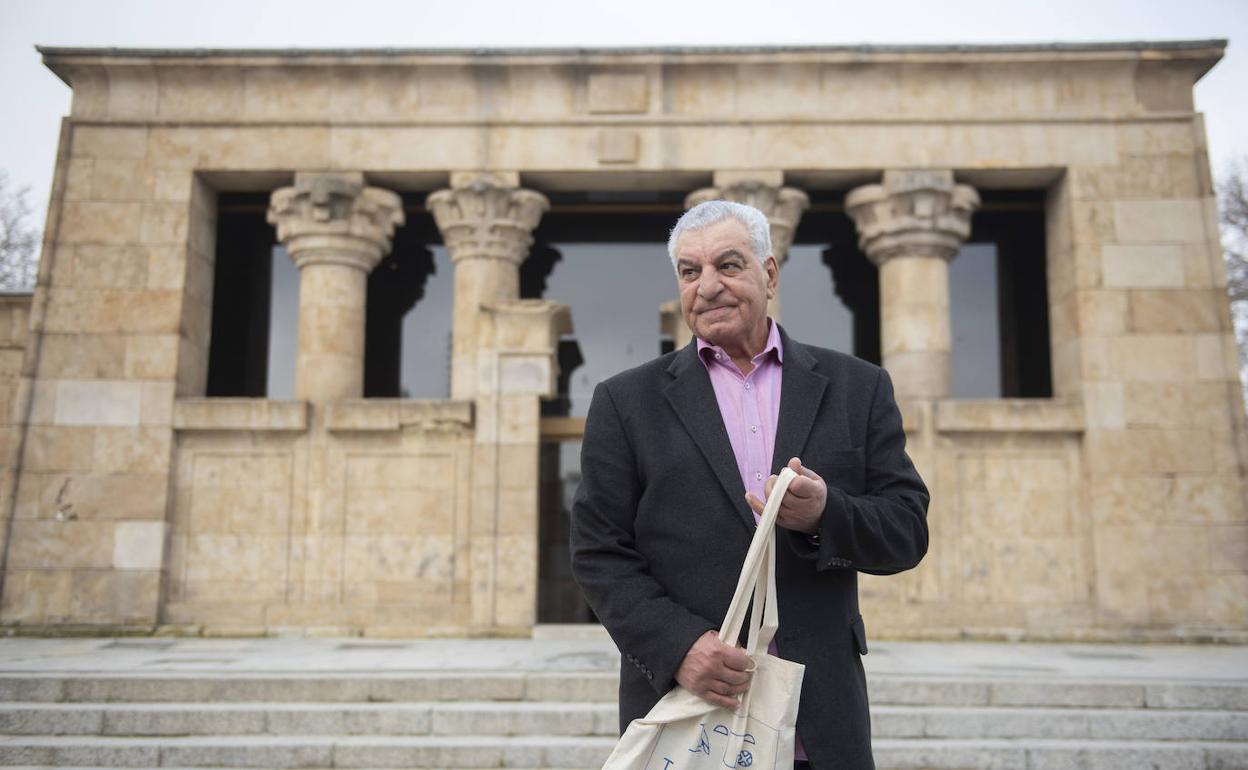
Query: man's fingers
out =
(735, 658)
(732, 678)
(803, 487)
(720, 700)
(756, 505)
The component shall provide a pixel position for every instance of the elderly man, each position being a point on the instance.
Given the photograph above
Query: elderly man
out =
(677, 457)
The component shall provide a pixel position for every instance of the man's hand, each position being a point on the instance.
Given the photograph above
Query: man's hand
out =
(715, 672)
(802, 506)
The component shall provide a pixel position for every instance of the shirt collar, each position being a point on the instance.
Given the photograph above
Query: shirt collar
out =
(707, 351)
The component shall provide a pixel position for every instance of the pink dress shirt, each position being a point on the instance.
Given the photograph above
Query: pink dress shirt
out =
(750, 407)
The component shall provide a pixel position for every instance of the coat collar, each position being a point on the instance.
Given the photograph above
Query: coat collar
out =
(693, 399)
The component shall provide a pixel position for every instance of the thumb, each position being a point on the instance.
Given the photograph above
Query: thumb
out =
(795, 464)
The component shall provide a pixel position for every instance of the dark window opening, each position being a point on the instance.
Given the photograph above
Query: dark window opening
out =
(1011, 223)
(997, 284)
(605, 255)
(239, 350)
(255, 312)
(407, 336)
(838, 306)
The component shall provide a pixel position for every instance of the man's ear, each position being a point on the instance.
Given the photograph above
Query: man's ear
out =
(773, 275)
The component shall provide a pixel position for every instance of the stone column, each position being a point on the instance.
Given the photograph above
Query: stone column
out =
(911, 226)
(487, 225)
(764, 191)
(335, 230)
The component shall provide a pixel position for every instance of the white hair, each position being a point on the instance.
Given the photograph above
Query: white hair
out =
(710, 213)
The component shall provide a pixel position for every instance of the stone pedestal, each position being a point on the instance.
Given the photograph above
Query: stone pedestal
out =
(672, 324)
(336, 230)
(911, 226)
(518, 344)
(764, 191)
(487, 223)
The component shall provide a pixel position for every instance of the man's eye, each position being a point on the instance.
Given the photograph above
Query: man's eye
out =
(688, 274)
(729, 267)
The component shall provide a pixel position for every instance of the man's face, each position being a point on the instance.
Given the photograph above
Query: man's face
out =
(723, 287)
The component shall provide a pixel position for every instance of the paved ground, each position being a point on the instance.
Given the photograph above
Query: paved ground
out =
(1211, 663)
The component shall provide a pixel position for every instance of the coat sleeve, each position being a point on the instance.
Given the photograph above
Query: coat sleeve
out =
(885, 530)
(652, 631)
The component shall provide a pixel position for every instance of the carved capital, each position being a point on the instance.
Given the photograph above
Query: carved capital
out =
(485, 217)
(912, 213)
(333, 218)
(783, 206)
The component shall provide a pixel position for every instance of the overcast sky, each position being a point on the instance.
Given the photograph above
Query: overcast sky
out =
(35, 99)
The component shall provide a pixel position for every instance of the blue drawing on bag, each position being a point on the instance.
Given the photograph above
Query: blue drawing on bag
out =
(667, 762)
(744, 758)
(704, 743)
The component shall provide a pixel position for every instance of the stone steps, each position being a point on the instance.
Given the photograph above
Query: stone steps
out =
(590, 687)
(556, 719)
(480, 751)
(295, 688)
(581, 719)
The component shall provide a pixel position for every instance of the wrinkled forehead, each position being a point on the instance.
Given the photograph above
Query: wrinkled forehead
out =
(715, 240)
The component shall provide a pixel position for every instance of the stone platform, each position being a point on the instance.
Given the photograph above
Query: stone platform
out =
(550, 702)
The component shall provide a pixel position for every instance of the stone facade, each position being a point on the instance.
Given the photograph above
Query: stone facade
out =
(1115, 509)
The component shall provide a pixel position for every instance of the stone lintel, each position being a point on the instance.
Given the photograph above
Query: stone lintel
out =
(767, 177)
(393, 414)
(477, 179)
(239, 414)
(1018, 415)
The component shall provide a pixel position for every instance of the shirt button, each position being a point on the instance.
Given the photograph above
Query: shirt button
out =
(747, 386)
(718, 356)
(754, 429)
(758, 476)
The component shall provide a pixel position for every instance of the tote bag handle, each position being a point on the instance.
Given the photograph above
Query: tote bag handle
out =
(757, 578)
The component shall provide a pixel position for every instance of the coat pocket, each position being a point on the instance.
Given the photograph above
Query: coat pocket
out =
(844, 469)
(837, 459)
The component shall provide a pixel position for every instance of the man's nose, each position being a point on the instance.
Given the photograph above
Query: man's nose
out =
(708, 284)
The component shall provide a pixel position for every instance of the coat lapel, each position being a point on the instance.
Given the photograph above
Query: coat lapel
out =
(801, 392)
(693, 399)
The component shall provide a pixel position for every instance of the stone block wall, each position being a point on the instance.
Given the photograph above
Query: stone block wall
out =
(1114, 510)
(1165, 451)
(358, 518)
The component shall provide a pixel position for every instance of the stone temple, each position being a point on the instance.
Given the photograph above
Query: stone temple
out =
(315, 331)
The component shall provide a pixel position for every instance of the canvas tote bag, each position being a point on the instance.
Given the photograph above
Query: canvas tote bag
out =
(683, 731)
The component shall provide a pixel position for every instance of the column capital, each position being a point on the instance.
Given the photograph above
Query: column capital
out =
(783, 206)
(913, 213)
(487, 216)
(332, 217)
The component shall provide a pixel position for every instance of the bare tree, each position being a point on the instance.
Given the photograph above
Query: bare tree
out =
(19, 239)
(1233, 213)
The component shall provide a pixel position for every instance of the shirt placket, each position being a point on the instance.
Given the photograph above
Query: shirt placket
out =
(755, 449)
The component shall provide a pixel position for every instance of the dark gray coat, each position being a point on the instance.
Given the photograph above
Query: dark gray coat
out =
(660, 527)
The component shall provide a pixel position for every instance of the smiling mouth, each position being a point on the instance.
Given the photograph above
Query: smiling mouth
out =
(715, 310)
